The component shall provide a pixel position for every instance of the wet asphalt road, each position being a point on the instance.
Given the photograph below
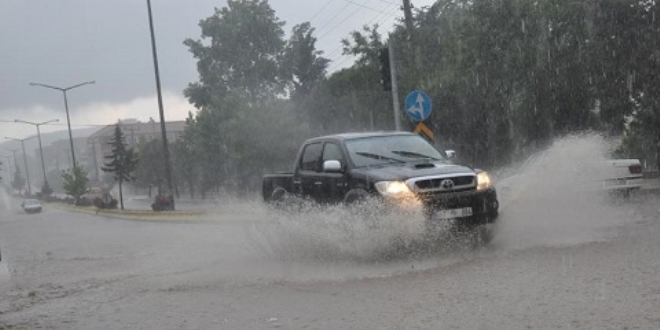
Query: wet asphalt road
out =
(589, 270)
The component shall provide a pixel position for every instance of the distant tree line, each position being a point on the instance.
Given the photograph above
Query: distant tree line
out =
(505, 76)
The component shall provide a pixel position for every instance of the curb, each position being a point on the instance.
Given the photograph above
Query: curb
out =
(138, 215)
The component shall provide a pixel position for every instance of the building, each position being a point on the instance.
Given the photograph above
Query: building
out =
(57, 155)
(98, 144)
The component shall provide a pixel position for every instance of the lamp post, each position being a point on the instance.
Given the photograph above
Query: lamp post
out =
(14, 152)
(66, 107)
(166, 151)
(27, 173)
(8, 168)
(41, 150)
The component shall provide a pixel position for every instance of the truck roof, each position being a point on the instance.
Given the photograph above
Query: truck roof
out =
(357, 135)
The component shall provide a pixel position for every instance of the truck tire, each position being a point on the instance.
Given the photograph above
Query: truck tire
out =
(356, 196)
(279, 196)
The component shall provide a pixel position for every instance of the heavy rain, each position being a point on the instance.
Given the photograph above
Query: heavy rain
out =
(359, 164)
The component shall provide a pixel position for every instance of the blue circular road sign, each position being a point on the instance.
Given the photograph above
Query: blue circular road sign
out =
(418, 105)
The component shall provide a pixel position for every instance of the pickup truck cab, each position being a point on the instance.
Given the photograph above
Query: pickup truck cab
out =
(395, 166)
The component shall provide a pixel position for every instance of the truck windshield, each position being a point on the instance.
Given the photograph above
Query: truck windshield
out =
(380, 150)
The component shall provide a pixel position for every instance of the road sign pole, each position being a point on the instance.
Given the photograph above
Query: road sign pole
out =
(395, 88)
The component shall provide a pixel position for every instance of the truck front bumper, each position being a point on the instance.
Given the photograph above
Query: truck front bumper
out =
(467, 204)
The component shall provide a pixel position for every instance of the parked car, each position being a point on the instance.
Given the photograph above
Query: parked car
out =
(31, 206)
(394, 166)
(622, 175)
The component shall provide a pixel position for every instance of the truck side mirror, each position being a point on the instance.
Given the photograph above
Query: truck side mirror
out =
(451, 154)
(332, 166)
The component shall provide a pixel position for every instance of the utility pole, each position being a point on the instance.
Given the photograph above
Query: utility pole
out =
(27, 171)
(166, 151)
(407, 15)
(41, 150)
(14, 152)
(395, 87)
(7, 169)
(410, 28)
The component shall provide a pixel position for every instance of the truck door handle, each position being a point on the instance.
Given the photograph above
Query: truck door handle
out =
(318, 183)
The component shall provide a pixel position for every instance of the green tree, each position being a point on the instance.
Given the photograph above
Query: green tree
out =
(303, 62)
(185, 164)
(150, 171)
(46, 190)
(241, 57)
(75, 182)
(121, 162)
(627, 73)
(352, 99)
(245, 67)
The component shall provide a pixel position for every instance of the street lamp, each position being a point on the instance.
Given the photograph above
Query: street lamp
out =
(166, 152)
(27, 173)
(41, 150)
(14, 152)
(8, 168)
(66, 107)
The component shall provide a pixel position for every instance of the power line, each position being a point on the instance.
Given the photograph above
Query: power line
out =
(320, 10)
(342, 21)
(382, 19)
(340, 63)
(389, 2)
(367, 7)
(333, 17)
(375, 17)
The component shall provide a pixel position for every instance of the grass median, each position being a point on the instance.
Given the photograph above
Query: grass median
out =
(144, 215)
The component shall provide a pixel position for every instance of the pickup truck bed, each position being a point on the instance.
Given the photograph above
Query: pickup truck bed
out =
(274, 181)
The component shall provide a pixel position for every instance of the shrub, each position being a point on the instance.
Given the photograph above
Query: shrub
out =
(163, 203)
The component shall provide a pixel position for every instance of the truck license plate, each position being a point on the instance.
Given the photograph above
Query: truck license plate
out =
(453, 213)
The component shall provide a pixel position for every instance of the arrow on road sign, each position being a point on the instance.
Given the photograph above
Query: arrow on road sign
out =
(418, 105)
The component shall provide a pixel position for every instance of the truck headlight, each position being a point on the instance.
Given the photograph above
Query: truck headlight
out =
(483, 181)
(393, 188)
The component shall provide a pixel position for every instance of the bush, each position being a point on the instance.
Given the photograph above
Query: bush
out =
(98, 203)
(163, 203)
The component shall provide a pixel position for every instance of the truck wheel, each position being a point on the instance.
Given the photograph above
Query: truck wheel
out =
(279, 197)
(356, 196)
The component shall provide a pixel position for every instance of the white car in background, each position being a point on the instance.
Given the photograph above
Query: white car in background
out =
(31, 206)
(622, 175)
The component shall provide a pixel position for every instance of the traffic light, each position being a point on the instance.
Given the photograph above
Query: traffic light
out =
(385, 73)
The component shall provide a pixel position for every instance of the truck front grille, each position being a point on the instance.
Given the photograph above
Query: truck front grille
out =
(443, 184)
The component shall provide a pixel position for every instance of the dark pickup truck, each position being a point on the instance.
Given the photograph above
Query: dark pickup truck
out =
(395, 166)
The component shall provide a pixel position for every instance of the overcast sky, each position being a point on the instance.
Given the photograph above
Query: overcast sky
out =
(65, 42)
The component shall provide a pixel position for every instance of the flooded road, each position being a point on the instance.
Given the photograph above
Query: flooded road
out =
(561, 257)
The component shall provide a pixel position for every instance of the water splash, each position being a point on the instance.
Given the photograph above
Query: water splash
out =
(556, 199)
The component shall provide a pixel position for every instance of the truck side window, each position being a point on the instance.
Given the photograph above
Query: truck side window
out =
(310, 158)
(331, 151)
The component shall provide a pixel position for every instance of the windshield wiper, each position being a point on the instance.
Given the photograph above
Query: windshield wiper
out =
(413, 154)
(377, 156)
